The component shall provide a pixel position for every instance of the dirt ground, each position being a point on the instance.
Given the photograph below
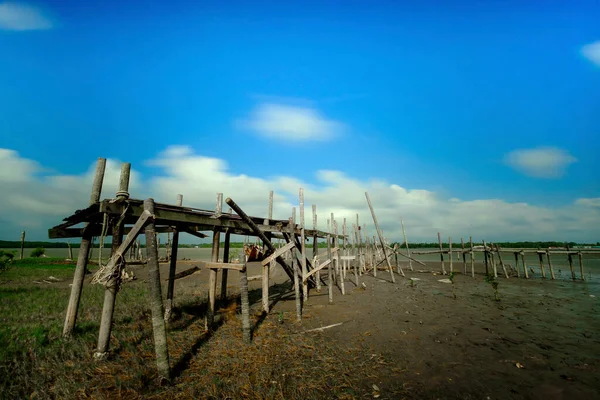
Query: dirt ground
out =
(435, 340)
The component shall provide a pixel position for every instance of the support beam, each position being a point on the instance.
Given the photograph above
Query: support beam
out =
(380, 234)
(172, 267)
(159, 328)
(289, 271)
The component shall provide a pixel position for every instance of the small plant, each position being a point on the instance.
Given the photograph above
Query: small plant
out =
(412, 282)
(491, 279)
(6, 258)
(451, 277)
(38, 252)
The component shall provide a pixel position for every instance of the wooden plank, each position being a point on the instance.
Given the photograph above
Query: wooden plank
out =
(96, 230)
(317, 269)
(218, 265)
(168, 215)
(280, 251)
(347, 258)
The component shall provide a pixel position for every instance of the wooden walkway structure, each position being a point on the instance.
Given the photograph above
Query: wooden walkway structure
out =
(124, 219)
(350, 251)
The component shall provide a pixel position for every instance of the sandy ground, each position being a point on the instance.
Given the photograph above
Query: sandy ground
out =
(540, 341)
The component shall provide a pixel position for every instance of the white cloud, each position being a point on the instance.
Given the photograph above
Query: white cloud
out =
(22, 17)
(39, 202)
(540, 162)
(592, 52)
(291, 123)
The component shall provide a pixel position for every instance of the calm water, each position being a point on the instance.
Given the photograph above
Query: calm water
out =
(591, 262)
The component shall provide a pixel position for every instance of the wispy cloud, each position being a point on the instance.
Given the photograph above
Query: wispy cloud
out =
(540, 162)
(37, 202)
(23, 17)
(291, 123)
(592, 52)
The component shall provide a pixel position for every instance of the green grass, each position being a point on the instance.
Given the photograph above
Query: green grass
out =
(36, 362)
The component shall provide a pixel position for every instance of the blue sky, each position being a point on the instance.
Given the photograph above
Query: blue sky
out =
(433, 96)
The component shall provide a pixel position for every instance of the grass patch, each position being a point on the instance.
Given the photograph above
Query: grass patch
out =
(27, 270)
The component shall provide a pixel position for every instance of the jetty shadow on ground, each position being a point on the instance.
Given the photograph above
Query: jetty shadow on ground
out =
(277, 292)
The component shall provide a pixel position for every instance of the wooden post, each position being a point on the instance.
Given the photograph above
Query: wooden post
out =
(524, 264)
(295, 268)
(172, 266)
(406, 243)
(156, 305)
(330, 266)
(472, 257)
(501, 262)
(340, 273)
(581, 265)
(70, 250)
(570, 256)
(493, 259)
(441, 254)
(212, 281)
(548, 256)
(316, 245)
(450, 253)
(361, 249)
(345, 263)
(303, 247)
(22, 243)
(224, 272)
(464, 255)
(517, 264)
(485, 257)
(246, 330)
(110, 291)
(541, 258)
(380, 234)
(82, 255)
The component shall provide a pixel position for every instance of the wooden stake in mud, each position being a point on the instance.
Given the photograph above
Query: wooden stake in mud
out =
(493, 259)
(570, 256)
(464, 256)
(330, 266)
(246, 330)
(441, 254)
(156, 305)
(296, 269)
(524, 265)
(450, 253)
(380, 234)
(82, 255)
(501, 262)
(581, 265)
(303, 247)
(316, 245)
(541, 258)
(361, 250)
(340, 275)
(110, 291)
(173, 266)
(517, 264)
(485, 256)
(549, 257)
(406, 243)
(472, 257)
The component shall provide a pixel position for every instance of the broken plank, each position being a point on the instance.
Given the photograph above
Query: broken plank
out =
(278, 253)
(218, 265)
